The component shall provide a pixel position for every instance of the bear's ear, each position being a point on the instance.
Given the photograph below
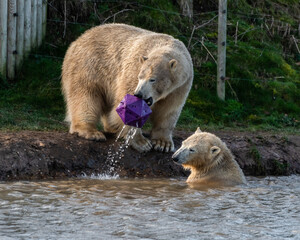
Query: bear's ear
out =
(143, 59)
(173, 64)
(214, 151)
(198, 130)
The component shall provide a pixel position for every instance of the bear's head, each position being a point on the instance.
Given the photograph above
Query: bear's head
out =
(201, 151)
(157, 77)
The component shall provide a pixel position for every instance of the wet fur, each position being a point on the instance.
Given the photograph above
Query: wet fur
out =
(206, 166)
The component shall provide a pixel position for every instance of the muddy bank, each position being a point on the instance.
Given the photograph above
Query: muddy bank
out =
(30, 155)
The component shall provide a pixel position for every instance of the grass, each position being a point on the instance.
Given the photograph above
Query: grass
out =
(264, 79)
(34, 101)
(280, 168)
(257, 159)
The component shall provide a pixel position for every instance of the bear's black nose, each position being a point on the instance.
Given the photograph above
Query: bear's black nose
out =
(175, 158)
(138, 95)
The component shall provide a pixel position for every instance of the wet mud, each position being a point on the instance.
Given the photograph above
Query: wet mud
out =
(30, 155)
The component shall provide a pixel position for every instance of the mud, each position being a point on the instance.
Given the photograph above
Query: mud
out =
(29, 155)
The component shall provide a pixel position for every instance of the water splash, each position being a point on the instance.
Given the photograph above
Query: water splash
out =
(113, 158)
(130, 135)
(99, 176)
(120, 133)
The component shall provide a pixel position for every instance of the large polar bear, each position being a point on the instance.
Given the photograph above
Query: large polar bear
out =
(210, 161)
(109, 61)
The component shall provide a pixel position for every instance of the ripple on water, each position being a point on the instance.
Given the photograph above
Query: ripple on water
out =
(103, 208)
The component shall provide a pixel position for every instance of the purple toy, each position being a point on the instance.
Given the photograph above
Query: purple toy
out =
(133, 111)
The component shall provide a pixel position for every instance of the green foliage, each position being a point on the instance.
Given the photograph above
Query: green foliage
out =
(34, 101)
(24, 116)
(262, 89)
(257, 158)
(233, 111)
(3, 82)
(280, 168)
(158, 16)
(255, 154)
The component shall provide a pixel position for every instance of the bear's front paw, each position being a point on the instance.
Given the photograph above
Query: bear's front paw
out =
(163, 145)
(141, 144)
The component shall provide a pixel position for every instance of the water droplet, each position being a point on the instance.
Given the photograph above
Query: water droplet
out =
(113, 157)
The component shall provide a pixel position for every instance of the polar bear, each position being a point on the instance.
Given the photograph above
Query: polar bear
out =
(209, 160)
(112, 60)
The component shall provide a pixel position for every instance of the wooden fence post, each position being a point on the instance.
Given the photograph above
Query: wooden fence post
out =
(11, 38)
(44, 18)
(33, 23)
(39, 22)
(3, 37)
(221, 75)
(186, 7)
(22, 27)
(27, 26)
(20, 33)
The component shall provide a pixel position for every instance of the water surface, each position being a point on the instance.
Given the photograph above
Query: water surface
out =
(267, 208)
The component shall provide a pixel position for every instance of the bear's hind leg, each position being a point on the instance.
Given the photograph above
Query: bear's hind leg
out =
(88, 131)
(85, 112)
(112, 123)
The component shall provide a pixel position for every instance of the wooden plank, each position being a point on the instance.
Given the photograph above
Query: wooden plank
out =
(33, 23)
(11, 38)
(3, 36)
(39, 22)
(27, 26)
(20, 33)
(45, 3)
(221, 75)
(186, 7)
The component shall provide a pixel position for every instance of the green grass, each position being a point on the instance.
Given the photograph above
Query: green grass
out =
(264, 83)
(34, 101)
(257, 159)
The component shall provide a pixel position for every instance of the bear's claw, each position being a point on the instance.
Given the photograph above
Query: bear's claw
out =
(163, 145)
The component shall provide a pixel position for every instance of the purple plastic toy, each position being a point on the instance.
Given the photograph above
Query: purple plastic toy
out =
(133, 111)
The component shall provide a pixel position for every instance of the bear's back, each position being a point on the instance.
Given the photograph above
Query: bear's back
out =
(121, 40)
(120, 36)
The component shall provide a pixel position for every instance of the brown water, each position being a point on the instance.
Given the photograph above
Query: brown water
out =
(267, 208)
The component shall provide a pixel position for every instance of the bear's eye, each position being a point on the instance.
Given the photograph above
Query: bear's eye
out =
(192, 150)
(152, 80)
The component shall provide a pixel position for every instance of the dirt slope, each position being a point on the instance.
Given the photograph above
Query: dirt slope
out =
(45, 155)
